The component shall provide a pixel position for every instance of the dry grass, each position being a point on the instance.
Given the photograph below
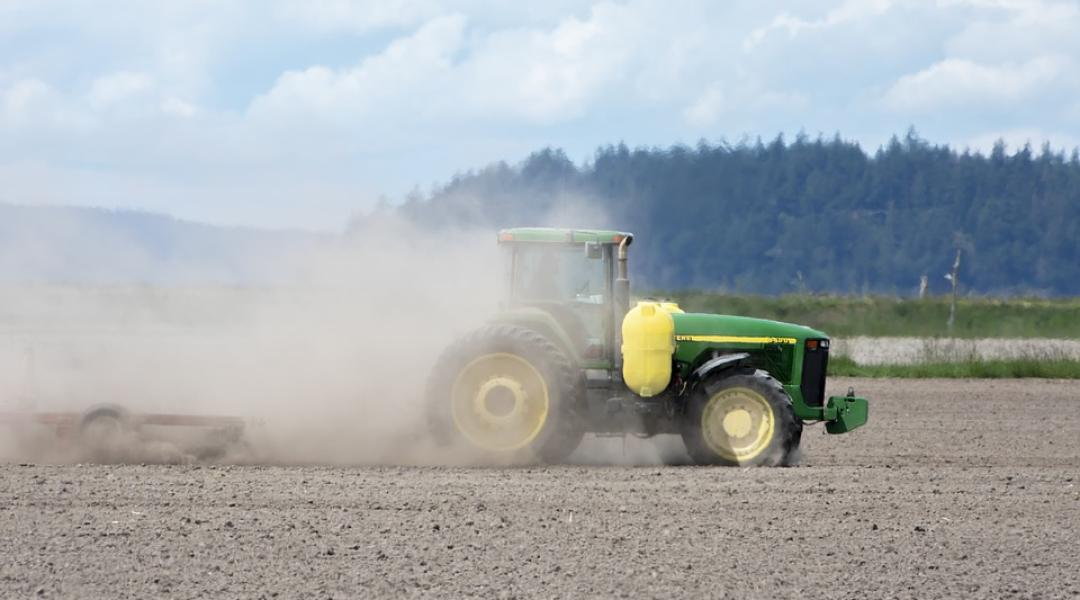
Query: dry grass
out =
(943, 359)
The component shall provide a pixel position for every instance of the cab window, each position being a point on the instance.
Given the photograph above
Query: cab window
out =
(558, 273)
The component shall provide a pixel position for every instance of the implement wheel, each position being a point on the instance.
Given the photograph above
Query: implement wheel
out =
(106, 434)
(507, 393)
(741, 419)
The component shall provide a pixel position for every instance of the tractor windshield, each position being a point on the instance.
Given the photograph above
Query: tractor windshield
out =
(558, 273)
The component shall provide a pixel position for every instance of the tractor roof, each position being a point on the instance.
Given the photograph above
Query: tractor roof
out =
(553, 235)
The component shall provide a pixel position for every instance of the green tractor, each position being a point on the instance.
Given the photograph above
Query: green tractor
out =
(568, 355)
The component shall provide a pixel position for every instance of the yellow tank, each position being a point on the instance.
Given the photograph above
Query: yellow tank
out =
(648, 334)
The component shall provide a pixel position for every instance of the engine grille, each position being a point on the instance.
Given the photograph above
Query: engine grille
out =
(815, 364)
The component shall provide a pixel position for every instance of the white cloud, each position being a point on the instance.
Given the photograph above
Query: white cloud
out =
(445, 71)
(847, 12)
(355, 17)
(117, 87)
(715, 102)
(358, 98)
(29, 104)
(178, 108)
(407, 73)
(957, 82)
(24, 96)
(1028, 30)
(549, 75)
(706, 108)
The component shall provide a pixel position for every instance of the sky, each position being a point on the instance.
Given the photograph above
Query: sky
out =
(300, 113)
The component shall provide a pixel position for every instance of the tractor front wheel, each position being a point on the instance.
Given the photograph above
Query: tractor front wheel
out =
(741, 419)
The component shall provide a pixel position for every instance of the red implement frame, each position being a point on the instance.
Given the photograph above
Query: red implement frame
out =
(67, 423)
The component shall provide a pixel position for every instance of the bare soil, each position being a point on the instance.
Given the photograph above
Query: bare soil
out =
(955, 489)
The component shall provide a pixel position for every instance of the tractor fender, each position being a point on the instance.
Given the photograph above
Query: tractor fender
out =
(715, 365)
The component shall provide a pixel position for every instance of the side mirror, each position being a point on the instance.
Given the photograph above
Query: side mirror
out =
(594, 250)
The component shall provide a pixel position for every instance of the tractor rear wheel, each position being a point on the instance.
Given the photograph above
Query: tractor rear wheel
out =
(741, 419)
(509, 394)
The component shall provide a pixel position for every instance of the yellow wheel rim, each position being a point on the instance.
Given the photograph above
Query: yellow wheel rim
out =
(500, 402)
(738, 424)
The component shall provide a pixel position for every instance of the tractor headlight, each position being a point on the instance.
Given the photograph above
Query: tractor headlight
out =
(815, 344)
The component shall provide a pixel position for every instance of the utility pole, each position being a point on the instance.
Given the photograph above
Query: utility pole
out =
(952, 277)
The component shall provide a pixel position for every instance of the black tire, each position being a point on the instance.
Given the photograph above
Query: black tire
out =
(560, 431)
(769, 446)
(792, 452)
(105, 434)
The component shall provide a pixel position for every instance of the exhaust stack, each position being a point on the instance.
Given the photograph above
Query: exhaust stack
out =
(621, 298)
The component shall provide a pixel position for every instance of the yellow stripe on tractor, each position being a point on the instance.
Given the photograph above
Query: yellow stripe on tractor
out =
(735, 339)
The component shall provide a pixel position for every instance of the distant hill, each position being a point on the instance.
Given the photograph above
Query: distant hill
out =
(813, 215)
(44, 244)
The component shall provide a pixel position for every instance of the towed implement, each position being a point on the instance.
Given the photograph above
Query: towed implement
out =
(101, 430)
(569, 355)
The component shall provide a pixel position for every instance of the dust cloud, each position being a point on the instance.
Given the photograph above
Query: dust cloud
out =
(328, 367)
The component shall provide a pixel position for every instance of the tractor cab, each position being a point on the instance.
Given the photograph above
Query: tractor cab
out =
(570, 275)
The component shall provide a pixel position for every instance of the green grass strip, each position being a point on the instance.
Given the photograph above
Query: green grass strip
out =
(844, 316)
(843, 366)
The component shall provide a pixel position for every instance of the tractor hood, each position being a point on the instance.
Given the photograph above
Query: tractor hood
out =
(728, 328)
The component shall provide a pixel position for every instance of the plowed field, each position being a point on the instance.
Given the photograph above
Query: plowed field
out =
(964, 489)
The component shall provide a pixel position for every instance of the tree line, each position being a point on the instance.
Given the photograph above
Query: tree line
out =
(809, 215)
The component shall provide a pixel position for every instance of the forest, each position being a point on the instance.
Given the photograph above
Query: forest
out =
(810, 215)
